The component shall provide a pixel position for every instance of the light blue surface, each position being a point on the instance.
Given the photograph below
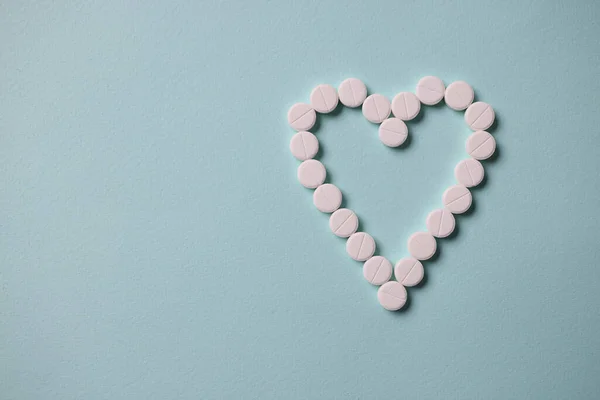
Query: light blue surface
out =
(155, 244)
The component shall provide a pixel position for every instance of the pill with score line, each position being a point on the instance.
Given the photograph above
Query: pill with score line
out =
(480, 116)
(327, 198)
(324, 98)
(393, 132)
(422, 245)
(409, 271)
(459, 95)
(430, 90)
(376, 108)
(481, 145)
(406, 106)
(304, 145)
(311, 173)
(392, 296)
(352, 92)
(457, 199)
(440, 223)
(343, 222)
(360, 246)
(302, 117)
(469, 172)
(377, 270)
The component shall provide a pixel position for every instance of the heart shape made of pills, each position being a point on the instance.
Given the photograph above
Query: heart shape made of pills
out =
(393, 131)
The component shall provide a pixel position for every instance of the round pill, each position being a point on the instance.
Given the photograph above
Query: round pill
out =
(311, 173)
(377, 270)
(481, 145)
(324, 98)
(343, 222)
(430, 90)
(392, 295)
(352, 92)
(327, 198)
(409, 271)
(393, 132)
(440, 223)
(469, 172)
(480, 116)
(422, 245)
(457, 199)
(459, 95)
(360, 246)
(376, 108)
(304, 145)
(406, 106)
(302, 117)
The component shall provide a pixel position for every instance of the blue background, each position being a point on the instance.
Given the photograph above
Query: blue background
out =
(155, 243)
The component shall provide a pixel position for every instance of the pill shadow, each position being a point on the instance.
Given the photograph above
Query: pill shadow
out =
(336, 111)
(496, 156)
(416, 119)
(436, 256)
(455, 233)
(406, 308)
(317, 126)
(495, 125)
(481, 186)
(422, 283)
(484, 182)
(319, 155)
(466, 215)
(403, 146)
(329, 178)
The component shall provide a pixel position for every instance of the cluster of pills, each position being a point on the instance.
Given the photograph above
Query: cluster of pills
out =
(393, 131)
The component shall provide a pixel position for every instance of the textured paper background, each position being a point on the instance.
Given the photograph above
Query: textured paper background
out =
(154, 242)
